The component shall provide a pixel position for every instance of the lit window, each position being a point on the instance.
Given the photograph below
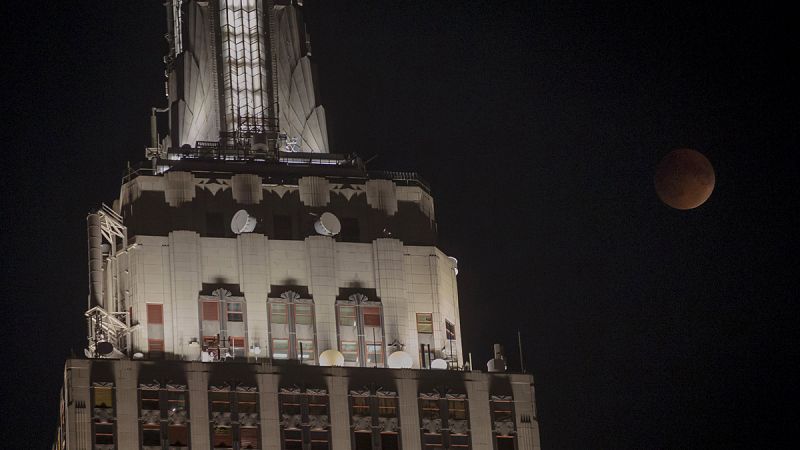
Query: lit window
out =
(360, 331)
(280, 348)
(291, 325)
(235, 312)
(425, 323)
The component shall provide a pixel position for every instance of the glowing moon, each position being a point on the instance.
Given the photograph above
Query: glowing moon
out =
(684, 179)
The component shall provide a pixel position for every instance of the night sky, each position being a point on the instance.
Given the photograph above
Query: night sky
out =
(539, 127)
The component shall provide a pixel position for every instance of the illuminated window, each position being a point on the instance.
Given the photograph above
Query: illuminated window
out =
(292, 328)
(223, 324)
(360, 331)
(155, 330)
(425, 323)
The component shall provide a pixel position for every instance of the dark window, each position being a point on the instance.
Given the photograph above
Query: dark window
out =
(505, 443)
(215, 224)
(282, 227)
(350, 230)
(104, 433)
(178, 435)
(151, 435)
(389, 441)
(363, 440)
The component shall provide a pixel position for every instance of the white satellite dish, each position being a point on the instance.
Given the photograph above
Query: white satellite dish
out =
(400, 360)
(328, 225)
(331, 357)
(138, 355)
(438, 363)
(256, 350)
(243, 222)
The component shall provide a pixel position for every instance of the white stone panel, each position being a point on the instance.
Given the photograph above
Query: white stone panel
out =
(179, 187)
(314, 191)
(246, 189)
(382, 195)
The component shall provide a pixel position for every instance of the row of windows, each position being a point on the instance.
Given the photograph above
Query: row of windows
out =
(292, 328)
(305, 419)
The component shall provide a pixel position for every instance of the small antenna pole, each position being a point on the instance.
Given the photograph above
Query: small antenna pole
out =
(519, 342)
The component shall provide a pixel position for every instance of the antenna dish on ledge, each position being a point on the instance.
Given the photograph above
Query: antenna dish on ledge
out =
(243, 222)
(328, 225)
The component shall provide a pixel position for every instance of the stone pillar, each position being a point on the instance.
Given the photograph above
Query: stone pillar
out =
(480, 421)
(197, 379)
(382, 195)
(314, 191)
(409, 410)
(246, 189)
(179, 188)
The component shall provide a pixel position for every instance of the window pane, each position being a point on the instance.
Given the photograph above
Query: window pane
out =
(222, 438)
(178, 435)
(150, 400)
(248, 402)
(318, 405)
(220, 401)
(319, 440)
(387, 406)
(375, 353)
(372, 316)
(278, 313)
(363, 440)
(347, 316)
(104, 433)
(350, 351)
(280, 348)
(151, 436)
(505, 443)
(103, 397)
(389, 441)
(308, 353)
(425, 323)
(303, 315)
(155, 313)
(210, 311)
(292, 440)
(249, 437)
(457, 409)
(235, 312)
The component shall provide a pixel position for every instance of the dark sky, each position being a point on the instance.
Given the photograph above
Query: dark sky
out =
(539, 127)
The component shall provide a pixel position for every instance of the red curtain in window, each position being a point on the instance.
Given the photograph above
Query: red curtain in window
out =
(155, 313)
(210, 311)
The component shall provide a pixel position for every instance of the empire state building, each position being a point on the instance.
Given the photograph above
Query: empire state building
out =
(248, 289)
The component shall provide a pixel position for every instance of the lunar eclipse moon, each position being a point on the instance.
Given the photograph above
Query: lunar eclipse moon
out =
(684, 179)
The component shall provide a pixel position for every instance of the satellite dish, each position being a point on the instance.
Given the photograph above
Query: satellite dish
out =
(243, 222)
(331, 357)
(328, 225)
(256, 350)
(138, 355)
(87, 353)
(104, 347)
(455, 264)
(438, 363)
(400, 360)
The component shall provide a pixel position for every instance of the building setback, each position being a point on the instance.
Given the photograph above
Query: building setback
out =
(251, 290)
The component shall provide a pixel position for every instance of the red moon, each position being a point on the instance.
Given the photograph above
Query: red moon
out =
(684, 179)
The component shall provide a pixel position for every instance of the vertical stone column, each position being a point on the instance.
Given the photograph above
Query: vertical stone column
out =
(382, 195)
(409, 410)
(525, 412)
(322, 285)
(270, 414)
(178, 188)
(480, 421)
(78, 405)
(246, 189)
(390, 285)
(125, 384)
(254, 276)
(314, 191)
(184, 260)
(339, 409)
(197, 379)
